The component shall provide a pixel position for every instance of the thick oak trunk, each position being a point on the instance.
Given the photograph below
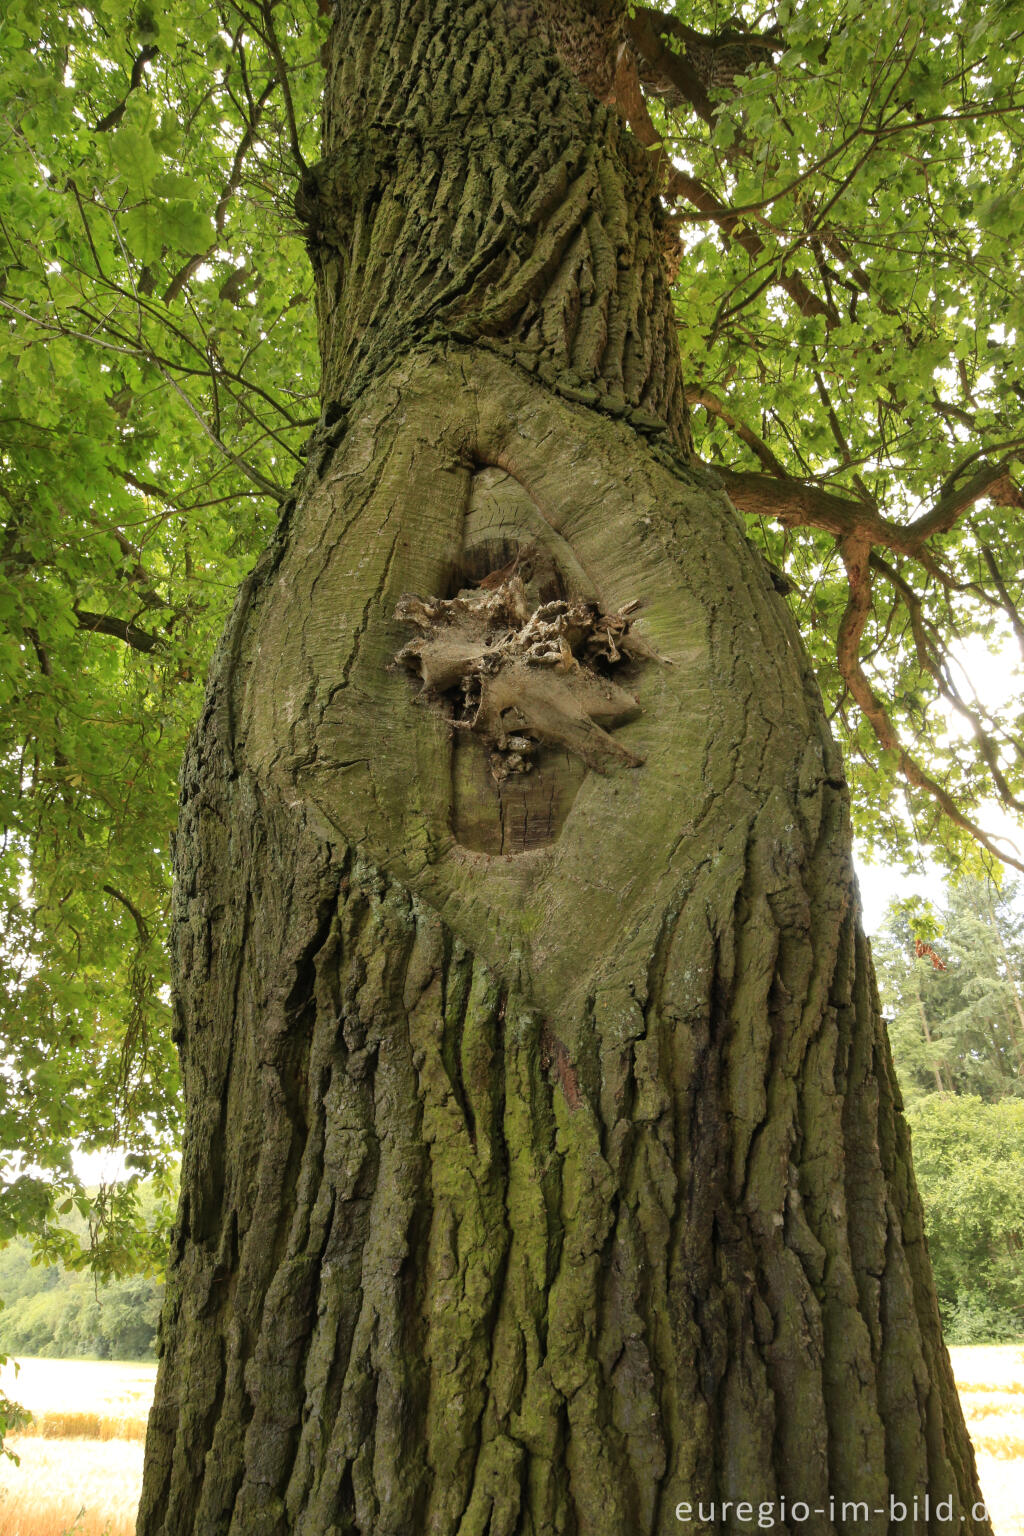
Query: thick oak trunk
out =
(544, 1167)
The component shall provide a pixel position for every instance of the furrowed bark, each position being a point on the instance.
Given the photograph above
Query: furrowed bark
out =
(544, 1166)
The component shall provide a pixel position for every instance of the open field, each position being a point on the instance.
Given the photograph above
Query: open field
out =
(75, 1459)
(83, 1453)
(95, 1483)
(83, 1399)
(990, 1378)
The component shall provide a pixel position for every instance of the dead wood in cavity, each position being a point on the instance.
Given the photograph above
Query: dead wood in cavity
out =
(521, 676)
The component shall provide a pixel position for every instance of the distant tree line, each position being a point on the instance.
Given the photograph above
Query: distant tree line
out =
(62, 1314)
(952, 986)
(52, 1301)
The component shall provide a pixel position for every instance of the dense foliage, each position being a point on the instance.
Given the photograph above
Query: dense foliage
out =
(153, 412)
(952, 984)
(842, 179)
(969, 1162)
(852, 324)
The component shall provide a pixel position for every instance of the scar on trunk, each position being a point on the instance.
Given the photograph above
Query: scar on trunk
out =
(519, 655)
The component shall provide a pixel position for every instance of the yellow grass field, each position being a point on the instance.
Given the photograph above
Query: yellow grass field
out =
(990, 1378)
(81, 1462)
(83, 1399)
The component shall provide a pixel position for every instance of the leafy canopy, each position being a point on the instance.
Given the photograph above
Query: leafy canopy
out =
(844, 180)
(851, 299)
(158, 380)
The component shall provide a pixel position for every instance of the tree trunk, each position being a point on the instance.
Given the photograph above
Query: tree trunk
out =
(940, 1086)
(544, 1167)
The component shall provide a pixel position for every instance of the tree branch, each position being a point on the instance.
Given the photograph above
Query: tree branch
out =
(270, 38)
(856, 554)
(944, 684)
(121, 629)
(231, 186)
(141, 926)
(681, 187)
(716, 407)
(992, 483)
(1009, 607)
(668, 74)
(702, 59)
(114, 116)
(795, 504)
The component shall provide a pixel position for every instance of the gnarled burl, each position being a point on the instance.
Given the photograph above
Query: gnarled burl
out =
(520, 679)
(544, 1166)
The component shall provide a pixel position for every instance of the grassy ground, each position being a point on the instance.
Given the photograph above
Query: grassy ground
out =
(90, 1487)
(81, 1463)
